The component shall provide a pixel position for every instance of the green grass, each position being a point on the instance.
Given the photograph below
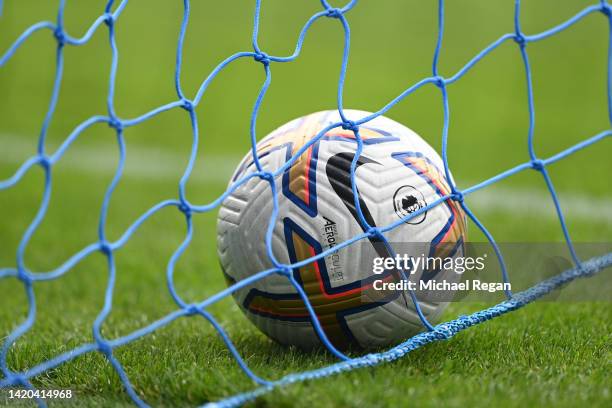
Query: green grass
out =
(549, 353)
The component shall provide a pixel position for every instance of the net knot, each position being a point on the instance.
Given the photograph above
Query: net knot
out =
(17, 379)
(104, 347)
(457, 196)
(375, 232)
(192, 310)
(267, 176)
(105, 248)
(519, 38)
(24, 276)
(350, 125)
(285, 271)
(186, 104)
(184, 207)
(439, 81)
(334, 12)
(262, 57)
(537, 164)
(115, 124)
(109, 19)
(59, 35)
(44, 162)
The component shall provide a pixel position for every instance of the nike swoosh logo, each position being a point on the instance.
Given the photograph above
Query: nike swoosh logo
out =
(338, 171)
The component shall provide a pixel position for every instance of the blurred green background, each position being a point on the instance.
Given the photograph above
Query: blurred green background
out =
(392, 43)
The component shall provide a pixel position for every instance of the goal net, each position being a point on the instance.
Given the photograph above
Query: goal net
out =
(44, 159)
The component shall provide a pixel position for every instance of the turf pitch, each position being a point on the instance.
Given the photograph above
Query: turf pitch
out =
(548, 353)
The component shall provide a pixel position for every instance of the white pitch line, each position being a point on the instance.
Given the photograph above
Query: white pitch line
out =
(151, 164)
(142, 162)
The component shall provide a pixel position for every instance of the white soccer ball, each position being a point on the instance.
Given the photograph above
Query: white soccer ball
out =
(397, 174)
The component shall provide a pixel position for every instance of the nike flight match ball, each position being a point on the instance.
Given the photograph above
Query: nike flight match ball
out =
(396, 175)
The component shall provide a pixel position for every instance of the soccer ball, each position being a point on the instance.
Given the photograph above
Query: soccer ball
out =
(397, 174)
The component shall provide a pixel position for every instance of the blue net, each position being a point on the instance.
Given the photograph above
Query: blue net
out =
(109, 18)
